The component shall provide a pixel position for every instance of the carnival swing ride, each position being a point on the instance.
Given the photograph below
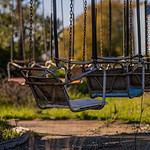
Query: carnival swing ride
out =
(106, 76)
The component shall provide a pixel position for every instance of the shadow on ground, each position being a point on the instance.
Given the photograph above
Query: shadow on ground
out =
(115, 142)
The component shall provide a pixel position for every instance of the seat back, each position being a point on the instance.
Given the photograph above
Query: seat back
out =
(136, 78)
(147, 79)
(116, 80)
(48, 96)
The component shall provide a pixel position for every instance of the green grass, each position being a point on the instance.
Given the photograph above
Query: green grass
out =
(116, 109)
(6, 131)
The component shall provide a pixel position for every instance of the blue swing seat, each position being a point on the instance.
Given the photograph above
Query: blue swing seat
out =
(117, 84)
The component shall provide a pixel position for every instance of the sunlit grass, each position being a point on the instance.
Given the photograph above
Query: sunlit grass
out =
(116, 109)
(6, 131)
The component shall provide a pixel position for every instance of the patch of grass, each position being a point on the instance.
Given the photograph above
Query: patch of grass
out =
(9, 134)
(6, 131)
(116, 109)
(3, 124)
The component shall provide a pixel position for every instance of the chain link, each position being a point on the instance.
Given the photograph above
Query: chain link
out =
(124, 33)
(147, 24)
(148, 35)
(131, 27)
(84, 29)
(31, 29)
(101, 29)
(70, 38)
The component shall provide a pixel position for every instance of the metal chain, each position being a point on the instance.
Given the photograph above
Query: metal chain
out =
(84, 29)
(124, 24)
(131, 27)
(31, 29)
(147, 36)
(70, 38)
(110, 28)
(101, 29)
(62, 12)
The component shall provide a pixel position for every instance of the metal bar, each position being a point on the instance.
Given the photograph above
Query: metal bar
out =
(146, 28)
(73, 33)
(94, 37)
(51, 34)
(124, 29)
(139, 27)
(127, 29)
(12, 32)
(44, 28)
(55, 30)
(110, 28)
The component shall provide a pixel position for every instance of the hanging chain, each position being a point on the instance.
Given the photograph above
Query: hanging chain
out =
(70, 38)
(131, 27)
(147, 36)
(31, 30)
(84, 29)
(101, 29)
(124, 24)
(64, 39)
(110, 28)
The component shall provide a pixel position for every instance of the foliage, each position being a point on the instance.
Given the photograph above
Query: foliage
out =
(13, 93)
(9, 134)
(102, 32)
(6, 131)
(3, 123)
(42, 30)
(13, 37)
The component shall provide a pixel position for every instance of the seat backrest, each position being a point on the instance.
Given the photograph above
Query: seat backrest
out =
(48, 94)
(116, 80)
(147, 79)
(136, 77)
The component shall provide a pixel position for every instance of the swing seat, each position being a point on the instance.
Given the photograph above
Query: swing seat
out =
(18, 80)
(13, 70)
(135, 92)
(80, 105)
(136, 79)
(131, 93)
(117, 84)
(51, 93)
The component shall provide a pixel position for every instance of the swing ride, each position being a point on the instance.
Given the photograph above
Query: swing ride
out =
(109, 76)
(17, 62)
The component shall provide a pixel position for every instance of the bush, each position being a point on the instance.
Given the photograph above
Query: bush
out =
(16, 94)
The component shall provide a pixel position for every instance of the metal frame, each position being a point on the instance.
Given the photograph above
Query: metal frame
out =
(46, 73)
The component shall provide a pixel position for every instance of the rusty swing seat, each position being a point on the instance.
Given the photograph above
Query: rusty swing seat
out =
(19, 64)
(50, 92)
(15, 79)
(19, 80)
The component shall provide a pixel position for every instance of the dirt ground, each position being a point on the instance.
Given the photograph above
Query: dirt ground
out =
(87, 135)
(77, 128)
